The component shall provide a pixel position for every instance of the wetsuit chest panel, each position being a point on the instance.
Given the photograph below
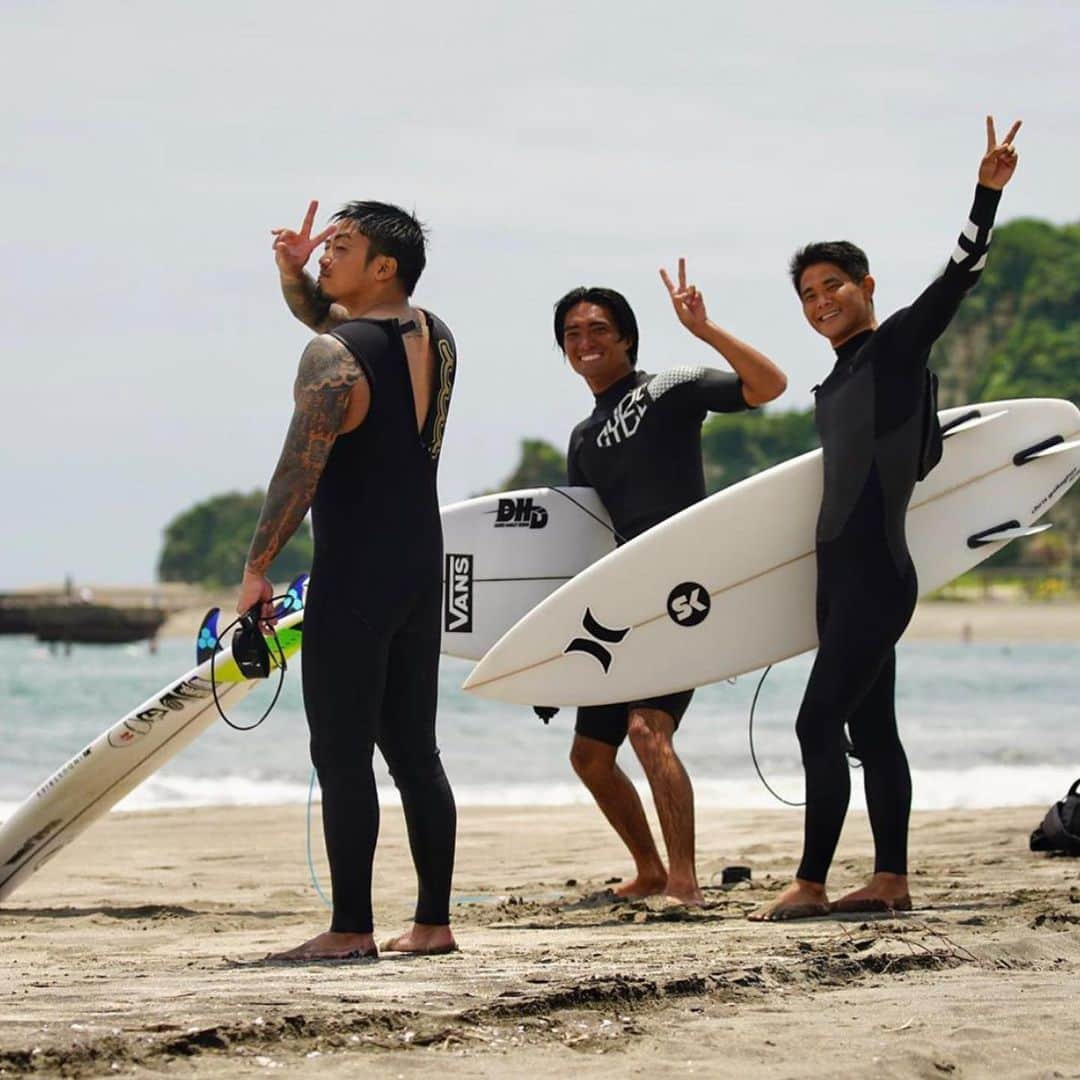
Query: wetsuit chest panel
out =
(641, 450)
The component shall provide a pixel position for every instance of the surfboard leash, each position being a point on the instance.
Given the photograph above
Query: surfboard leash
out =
(252, 656)
(310, 858)
(753, 754)
(585, 510)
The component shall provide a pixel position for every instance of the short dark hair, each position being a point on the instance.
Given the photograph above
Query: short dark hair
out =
(851, 259)
(614, 303)
(390, 231)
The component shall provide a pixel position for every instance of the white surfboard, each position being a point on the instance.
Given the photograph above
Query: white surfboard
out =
(119, 759)
(504, 553)
(727, 586)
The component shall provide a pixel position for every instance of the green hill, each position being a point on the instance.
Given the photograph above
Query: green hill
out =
(207, 544)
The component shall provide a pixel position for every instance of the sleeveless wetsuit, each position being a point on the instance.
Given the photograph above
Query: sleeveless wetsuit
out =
(870, 413)
(641, 450)
(372, 627)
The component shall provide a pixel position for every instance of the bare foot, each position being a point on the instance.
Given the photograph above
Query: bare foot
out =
(686, 892)
(331, 946)
(800, 900)
(424, 940)
(884, 892)
(643, 885)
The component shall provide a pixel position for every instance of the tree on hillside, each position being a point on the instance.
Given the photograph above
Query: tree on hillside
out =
(738, 445)
(1018, 333)
(208, 543)
(541, 465)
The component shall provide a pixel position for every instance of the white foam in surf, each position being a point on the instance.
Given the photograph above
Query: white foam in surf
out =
(946, 789)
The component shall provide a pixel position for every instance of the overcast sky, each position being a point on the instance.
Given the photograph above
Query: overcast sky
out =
(149, 149)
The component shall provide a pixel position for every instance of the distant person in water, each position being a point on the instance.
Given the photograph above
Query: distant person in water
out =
(362, 450)
(871, 414)
(640, 448)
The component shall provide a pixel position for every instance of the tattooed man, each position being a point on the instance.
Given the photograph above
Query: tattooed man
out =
(371, 399)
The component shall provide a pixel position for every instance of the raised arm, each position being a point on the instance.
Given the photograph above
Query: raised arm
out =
(329, 375)
(291, 253)
(760, 378)
(932, 311)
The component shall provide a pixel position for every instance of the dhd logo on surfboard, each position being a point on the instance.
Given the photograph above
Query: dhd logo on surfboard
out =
(520, 514)
(459, 594)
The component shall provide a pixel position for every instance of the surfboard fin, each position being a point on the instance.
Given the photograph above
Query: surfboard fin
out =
(207, 643)
(294, 597)
(968, 421)
(1056, 444)
(1007, 530)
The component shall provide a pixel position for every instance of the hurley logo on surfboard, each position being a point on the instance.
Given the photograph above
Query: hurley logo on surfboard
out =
(597, 632)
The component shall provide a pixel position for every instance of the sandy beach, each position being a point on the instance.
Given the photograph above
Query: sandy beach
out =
(137, 951)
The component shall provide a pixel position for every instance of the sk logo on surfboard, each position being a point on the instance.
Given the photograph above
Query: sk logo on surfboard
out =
(591, 645)
(689, 604)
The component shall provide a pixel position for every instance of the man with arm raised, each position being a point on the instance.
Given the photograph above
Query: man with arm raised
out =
(361, 452)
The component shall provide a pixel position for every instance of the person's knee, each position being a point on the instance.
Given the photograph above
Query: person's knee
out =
(590, 758)
(818, 733)
(650, 732)
(332, 754)
(875, 744)
(410, 767)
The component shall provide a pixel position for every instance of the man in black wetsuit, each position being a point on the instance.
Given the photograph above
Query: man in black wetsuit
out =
(640, 448)
(870, 412)
(371, 399)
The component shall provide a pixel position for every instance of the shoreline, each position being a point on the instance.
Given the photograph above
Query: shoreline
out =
(934, 620)
(140, 947)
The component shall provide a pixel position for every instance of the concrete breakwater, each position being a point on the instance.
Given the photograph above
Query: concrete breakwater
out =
(94, 615)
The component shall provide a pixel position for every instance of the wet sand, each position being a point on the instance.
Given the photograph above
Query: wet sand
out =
(137, 951)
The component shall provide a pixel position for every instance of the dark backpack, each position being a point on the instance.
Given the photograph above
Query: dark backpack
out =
(930, 449)
(1060, 829)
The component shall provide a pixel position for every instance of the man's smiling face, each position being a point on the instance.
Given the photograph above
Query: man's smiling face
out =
(593, 346)
(835, 305)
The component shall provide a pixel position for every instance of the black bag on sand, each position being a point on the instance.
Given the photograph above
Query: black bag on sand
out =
(1060, 829)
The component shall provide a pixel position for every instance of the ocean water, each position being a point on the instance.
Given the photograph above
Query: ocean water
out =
(984, 725)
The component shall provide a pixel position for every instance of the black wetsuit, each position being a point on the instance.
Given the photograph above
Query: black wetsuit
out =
(870, 413)
(641, 450)
(372, 628)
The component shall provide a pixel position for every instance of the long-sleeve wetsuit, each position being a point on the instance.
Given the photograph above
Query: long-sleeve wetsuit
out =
(372, 628)
(640, 448)
(870, 412)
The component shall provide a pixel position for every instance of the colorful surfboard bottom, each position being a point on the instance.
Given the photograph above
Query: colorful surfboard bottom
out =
(120, 758)
(727, 586)
(504, 553)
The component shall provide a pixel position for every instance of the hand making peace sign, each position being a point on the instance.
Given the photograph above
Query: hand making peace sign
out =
(293, 249)
(999, 162)
(688, 303)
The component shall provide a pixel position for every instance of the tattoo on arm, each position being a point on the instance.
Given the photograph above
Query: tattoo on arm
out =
(307, 302)
(328, 372)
